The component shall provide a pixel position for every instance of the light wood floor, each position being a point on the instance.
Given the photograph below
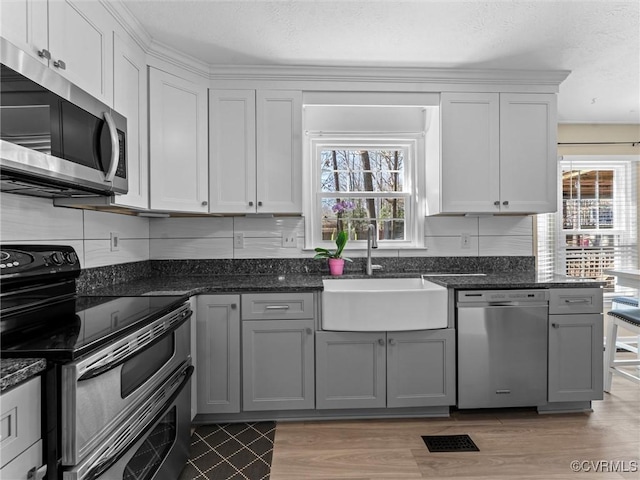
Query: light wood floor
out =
(513, 444)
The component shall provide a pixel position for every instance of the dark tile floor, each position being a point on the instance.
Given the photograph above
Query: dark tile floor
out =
(237, 451)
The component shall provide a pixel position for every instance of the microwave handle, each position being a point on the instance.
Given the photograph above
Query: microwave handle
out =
(115, 147)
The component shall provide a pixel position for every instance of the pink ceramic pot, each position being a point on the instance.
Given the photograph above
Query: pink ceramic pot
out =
(336, 266)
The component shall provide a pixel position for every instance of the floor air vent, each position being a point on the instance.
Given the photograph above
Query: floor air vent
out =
(450, 443)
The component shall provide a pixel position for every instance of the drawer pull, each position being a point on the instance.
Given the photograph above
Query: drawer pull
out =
(576, 300)
(277, 307)
(555, 325)
(381, 342)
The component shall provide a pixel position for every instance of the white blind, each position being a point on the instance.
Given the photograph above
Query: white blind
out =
(596, 225)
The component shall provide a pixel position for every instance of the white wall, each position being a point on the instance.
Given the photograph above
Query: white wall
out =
(35, 220)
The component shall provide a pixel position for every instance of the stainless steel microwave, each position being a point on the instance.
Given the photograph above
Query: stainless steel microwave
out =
(56, 140)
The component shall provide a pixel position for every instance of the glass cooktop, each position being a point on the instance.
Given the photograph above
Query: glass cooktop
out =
(71, 328)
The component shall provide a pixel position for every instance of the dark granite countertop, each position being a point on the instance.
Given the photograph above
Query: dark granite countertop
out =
(14, 371)
(202, 284)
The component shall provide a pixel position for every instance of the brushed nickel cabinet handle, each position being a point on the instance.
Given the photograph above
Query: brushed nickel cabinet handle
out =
(251, 204)
(392, 341)
(309, 331)
(205, 203)
(60, 64)
(44, 53)
(506, 202)
(381, 341)
(497, 203)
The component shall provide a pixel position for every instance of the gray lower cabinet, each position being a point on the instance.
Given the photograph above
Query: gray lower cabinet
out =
(575, 357)
(351, 370)
(575, 345)
(277, 364)
(378, 369)
(218, 353)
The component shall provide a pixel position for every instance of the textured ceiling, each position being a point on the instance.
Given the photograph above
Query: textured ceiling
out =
(598, 40)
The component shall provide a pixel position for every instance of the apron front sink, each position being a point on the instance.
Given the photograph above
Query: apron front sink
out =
(383, 304)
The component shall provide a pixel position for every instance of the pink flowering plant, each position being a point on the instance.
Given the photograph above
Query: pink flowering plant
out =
(340, 209)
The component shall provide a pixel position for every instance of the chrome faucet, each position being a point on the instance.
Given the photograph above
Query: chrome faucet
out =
(372, 242)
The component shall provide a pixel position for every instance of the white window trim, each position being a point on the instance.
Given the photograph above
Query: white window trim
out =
(414, 181)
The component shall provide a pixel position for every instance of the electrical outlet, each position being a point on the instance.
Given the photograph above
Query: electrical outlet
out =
(289, 240)
(465, 241)
(238, 240)
(115, 241)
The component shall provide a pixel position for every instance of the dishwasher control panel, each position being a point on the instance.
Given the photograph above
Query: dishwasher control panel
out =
(494, 296)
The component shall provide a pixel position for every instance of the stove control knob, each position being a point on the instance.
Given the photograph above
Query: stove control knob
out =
(71, 258)
(57, 258)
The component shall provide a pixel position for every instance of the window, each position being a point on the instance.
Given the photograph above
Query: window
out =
(365, 164)
(595, 228)
(363, 182)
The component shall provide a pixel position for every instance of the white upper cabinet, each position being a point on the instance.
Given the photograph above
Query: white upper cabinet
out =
(232, 151)
(130, 100)
(71, 37)
(255, 151)
(178, 161)
(498, 153)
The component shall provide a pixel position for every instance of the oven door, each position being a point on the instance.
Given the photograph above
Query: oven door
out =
(153, 443)
(100, 390)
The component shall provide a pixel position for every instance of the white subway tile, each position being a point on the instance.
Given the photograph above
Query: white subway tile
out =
(269, 227)
(99, 225)
(506, 225)
(190, 248)
(451, 247)
(29, 219)
(448, 226)
(191, 227)
(98, 252)
(510, 245)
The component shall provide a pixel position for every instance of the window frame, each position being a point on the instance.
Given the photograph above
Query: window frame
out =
(413, 182)
(553, 259)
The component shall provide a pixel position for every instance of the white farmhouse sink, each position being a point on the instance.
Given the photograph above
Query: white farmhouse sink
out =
(379, 304)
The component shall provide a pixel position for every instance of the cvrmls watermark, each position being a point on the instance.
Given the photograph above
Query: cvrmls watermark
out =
(605, 466)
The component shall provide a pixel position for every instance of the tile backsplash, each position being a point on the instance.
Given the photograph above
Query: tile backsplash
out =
(35, 220)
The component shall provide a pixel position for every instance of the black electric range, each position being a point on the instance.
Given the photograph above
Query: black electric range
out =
(42, 316)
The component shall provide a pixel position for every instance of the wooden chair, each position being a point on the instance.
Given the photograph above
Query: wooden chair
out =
(629, 319)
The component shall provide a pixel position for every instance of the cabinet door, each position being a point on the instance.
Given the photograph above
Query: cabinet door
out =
(25, 23)
(178, 160)
(350, 370)
(528, 152)
(81, 46)
(470, 165)
(218, 351)
(279, 146)
(232, 151)
(277, 365)
(130, 100)
(421, 368)
(575, 357)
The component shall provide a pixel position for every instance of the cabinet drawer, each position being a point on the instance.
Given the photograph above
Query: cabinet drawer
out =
(18, 469)
(267, 306)
(20, 420)
(575, 300)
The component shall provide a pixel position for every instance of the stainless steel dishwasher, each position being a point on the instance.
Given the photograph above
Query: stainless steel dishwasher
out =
(502, 348)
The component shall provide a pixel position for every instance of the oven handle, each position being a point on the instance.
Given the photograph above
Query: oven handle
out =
(107, 463)
(94, 372)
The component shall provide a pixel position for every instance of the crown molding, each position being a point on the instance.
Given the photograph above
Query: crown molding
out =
(128, 22)
(421, 75)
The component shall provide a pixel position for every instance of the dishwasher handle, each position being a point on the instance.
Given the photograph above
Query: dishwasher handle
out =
(502, 304)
